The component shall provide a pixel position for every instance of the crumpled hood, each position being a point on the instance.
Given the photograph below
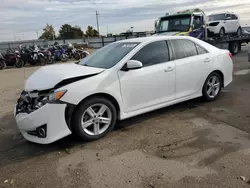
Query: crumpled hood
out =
(47, 77)
(167, 33)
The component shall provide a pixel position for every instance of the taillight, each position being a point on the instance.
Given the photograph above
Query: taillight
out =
(230, 55)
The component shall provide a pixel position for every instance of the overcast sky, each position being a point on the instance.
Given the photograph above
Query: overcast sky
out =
(25, 18)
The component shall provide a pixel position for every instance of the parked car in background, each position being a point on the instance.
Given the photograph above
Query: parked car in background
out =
(246, 30)
(224, 23)
(121, 80)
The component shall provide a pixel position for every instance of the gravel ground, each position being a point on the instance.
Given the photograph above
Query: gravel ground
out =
(192, 144)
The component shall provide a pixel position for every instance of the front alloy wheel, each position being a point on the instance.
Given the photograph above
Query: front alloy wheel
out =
(94, 118)
(212, 87)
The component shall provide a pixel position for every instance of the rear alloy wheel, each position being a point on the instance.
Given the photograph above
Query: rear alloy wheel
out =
(2, 64)
(19, 63)
(212, 87)
(222, 32)
(94, 118)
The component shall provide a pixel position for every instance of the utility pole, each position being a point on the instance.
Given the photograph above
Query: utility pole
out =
(14, 35)
(37, 34)
(107, 30)
(97, 22)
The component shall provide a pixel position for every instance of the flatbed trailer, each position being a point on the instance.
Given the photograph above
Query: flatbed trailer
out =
(232, 43)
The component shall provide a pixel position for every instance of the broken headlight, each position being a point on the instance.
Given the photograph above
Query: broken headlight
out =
(51, 98)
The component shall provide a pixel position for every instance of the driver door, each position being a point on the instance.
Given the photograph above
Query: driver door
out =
(152, 84)
(198, 30)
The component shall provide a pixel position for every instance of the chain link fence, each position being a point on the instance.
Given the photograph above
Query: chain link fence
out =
(91, 42)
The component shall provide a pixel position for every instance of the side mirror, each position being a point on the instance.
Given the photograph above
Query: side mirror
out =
(132, 64)
(228, 18)
(156, 25)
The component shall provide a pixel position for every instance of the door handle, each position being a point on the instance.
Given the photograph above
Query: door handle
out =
(169, 69)
(207, 60)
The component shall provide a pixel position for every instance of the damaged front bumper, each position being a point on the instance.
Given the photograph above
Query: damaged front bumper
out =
(40, 121)
(45, 125)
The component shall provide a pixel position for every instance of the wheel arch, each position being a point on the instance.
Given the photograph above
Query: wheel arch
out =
(105, 95)
(221, 75)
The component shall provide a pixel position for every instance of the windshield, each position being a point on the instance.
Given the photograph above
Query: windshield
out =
(247, 28)
(175, 23)
(109, 55)
(216, 17)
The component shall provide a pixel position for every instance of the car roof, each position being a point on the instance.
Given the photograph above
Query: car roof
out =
(152, 38)
(221, 13)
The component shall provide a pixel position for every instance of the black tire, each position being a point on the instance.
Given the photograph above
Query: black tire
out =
(42, 61)
(77, 56)
(83, 55)
(234, 47)
(2, 64)
(205, 94)
(50, 60)
(78, 113)
(19, 63)
(239, 32)
(64, 58)
(222, 32)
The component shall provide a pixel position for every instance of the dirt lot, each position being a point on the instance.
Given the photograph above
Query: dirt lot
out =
(192, 144)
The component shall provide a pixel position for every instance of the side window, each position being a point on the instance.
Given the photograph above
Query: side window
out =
(197, 22)
(201, 50)
(234, 17)
(228, 16)
(153, 53)
(183, 48)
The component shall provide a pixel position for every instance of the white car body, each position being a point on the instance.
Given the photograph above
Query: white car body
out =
(229, 21)
(135, 92)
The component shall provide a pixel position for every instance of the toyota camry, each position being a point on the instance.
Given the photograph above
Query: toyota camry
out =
(119, 81)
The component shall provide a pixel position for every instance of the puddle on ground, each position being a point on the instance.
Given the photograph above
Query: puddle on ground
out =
(242, 72)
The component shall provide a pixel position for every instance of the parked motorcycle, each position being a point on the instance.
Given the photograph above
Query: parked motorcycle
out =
(13, 59)
(48, 55)
(83, 53)
(2, 62)
(72, 52)
(32, 56)
(60, 53)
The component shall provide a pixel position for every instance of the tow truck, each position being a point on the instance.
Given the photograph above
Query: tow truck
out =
(194, 23)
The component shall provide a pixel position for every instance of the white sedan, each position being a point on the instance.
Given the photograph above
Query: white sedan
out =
(119, 81)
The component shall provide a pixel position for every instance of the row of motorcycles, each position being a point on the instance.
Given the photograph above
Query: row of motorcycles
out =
(35, 55)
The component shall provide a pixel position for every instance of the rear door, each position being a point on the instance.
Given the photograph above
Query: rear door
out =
(235, 23)
(192, 66)
(228, 24)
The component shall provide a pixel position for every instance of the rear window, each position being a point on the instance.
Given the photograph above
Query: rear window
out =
(200, 50)
(216, 17)
(183, 48)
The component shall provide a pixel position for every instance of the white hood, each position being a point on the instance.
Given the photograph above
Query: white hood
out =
(167, 33)
(47, 77)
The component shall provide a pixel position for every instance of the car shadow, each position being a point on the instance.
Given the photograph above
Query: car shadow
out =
(14, 148)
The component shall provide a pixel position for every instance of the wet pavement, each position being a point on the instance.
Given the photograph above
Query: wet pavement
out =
(192, 144)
